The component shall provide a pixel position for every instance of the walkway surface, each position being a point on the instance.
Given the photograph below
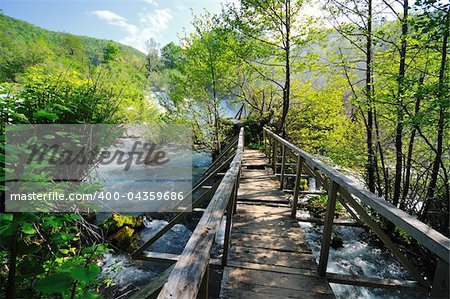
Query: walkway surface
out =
(269, 256)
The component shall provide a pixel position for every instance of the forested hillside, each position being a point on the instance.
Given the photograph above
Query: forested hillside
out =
(25, 45)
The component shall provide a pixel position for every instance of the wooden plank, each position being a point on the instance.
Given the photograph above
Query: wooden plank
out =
(168, 258)
(272, 257)
(269, 242)
(305, 192)
(298, 282)
(158, 257)
(266, 203)
(293, 175)
(335, 222)
(393, 284)
(187, 275)
(251, 291)
(272, 268)
(430, 238)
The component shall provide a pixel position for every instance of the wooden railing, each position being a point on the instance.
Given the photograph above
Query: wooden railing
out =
(355, 198)
(189, 277)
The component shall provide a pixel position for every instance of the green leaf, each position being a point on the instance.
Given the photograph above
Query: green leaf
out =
(85, 274)
(28, 229)
(6, 217)
(54, 283)
(6, 229)
(19, 116)
(42, 114)
(63, 237)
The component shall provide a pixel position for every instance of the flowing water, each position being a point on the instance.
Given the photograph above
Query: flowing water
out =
(127, 275)
(359, 257)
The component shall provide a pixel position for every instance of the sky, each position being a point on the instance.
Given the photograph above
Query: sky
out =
(131, 22)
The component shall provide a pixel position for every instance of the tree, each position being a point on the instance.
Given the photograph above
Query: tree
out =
(110, 52)
(152, 60)
(171, 55)
(278, 27)
(357, 31)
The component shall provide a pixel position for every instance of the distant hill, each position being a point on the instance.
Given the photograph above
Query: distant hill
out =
(23, 45)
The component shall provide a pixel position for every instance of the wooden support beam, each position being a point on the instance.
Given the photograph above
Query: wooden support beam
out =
(327, 228)
(441, 281)
(274, 156)
(203, 292)
(283, 162)
(306, 192)
(335, 222)
(286, 164)
(226, 241)
(393, 284)
(298, 174)
(177, 219)
(293, 175)
(158, 257)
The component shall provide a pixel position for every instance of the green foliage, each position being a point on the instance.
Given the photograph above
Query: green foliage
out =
(318, 206)
(171, 55)
(110, 52)
(52, 258)
(319, 124)
(24, 45)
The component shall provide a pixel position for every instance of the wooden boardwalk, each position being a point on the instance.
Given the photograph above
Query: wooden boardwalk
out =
(269, 256)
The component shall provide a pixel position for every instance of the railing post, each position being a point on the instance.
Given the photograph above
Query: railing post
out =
(327, 228)
(274, 155)
(230, 208)
(440, 283)
(264, 141)
(283, 163)
(203, 291)
(298, 175)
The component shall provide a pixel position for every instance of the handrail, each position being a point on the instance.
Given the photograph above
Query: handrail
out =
(191, 268)
(427, 236)
(352, 196)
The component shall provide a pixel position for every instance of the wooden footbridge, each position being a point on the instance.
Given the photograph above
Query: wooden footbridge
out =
(265, 254)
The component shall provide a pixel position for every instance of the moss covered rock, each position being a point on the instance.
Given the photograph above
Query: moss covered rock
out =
(126, 239)
(115, 222)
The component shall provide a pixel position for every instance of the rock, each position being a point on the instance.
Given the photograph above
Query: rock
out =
(125, 239)
(303, 185)
(337, 242)
(115, 222)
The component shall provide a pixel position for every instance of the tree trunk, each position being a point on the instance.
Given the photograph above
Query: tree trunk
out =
(408, 164)
(400, 112)
(370, 167)
(441, 124)
(287, 83)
